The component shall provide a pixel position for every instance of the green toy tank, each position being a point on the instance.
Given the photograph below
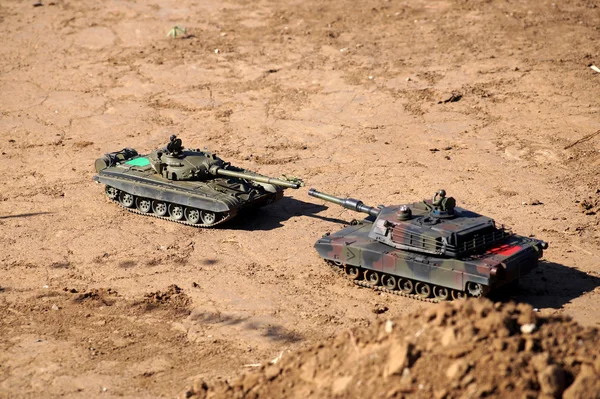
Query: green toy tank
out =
(430, 250)
(188, 186)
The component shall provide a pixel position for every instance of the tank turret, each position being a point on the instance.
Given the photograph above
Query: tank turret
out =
(432, 247)
(189, 186)
(175, 163)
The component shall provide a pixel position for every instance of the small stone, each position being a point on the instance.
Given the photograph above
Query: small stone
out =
(457, 370)
(250, 381)
(499, 344)
(398, 359)
(541, 361)
(272, 371)
(405, 379)
(467, 380)
(528, 328)
(340, 384)
(408, 79)
(389, 326)
(55, 307)
(552, 380)
(448, 337)
(217, 51)
(597, 364)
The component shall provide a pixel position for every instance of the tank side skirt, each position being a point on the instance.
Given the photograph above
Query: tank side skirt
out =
(438, 271)
(159, 192)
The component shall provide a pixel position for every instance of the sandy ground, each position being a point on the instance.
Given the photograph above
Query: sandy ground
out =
(351, 96)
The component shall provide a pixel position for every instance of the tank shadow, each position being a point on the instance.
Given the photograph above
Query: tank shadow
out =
(24, 215)
(271, 332)
(551, 285)
(272, 216)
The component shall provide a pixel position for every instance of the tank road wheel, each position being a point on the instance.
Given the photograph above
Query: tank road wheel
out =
(372, 277)
(176, 211)
(456, 294)
(143, 205)
(406, 286)
(389, 282)
(192, 215)
(423, 290)
(208, 217)
(352, 272)
(474, 289)
(441, 293)
(126, 199)
(111, 192)
(160, 208)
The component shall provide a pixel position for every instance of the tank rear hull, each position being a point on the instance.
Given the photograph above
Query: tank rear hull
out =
(476, 275)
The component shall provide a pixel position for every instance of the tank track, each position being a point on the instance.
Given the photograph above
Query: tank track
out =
(225, 216)
(339, 270)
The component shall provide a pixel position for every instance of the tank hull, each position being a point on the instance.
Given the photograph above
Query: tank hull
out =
(476, 275)
(223, 197)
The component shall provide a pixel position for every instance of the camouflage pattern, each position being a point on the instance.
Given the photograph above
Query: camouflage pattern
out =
(189, 186)
(434, 251)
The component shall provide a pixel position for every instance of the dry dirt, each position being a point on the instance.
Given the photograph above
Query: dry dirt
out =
(469, 349)
(386, 101)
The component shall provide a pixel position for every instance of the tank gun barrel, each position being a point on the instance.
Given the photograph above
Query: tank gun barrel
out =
(348, 203)
(217, 171)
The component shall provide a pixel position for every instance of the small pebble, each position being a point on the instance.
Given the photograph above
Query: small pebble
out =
(389, 326)
(528, 328)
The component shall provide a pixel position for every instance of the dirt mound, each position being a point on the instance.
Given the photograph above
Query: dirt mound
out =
(173, 297)
(94, 297)
(469, 348)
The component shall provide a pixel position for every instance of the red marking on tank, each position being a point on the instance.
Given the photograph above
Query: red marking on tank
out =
(505, 250)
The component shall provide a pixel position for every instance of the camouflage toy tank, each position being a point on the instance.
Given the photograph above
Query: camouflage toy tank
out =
(188, 186)
(429, 249)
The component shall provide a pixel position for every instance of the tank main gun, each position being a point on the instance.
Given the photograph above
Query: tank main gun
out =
(215, 170)
(348, 203)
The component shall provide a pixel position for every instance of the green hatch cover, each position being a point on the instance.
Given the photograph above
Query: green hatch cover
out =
(141, 161)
